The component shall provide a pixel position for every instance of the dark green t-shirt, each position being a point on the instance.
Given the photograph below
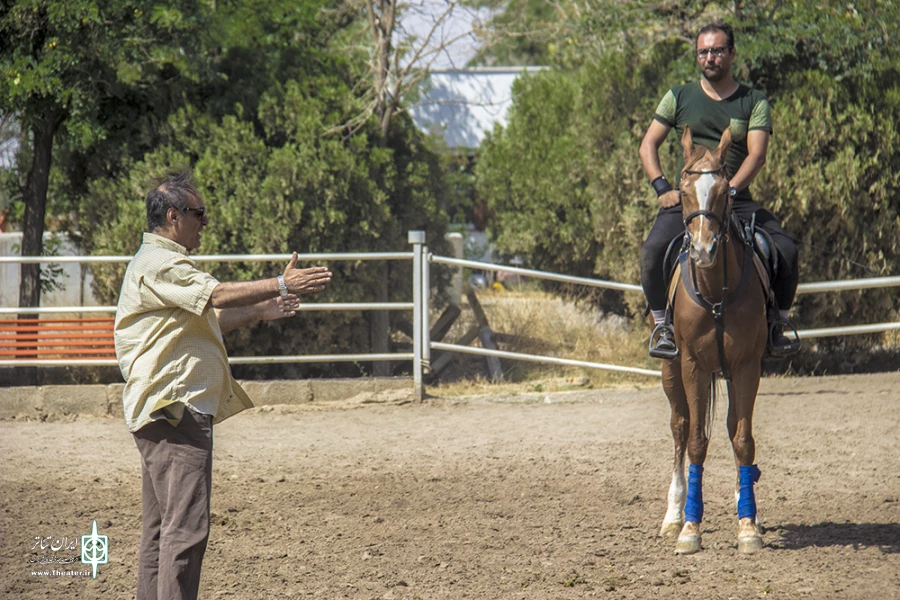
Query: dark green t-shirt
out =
(745, 110)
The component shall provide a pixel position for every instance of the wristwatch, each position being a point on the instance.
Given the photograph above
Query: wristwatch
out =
(282, 287)
(732, 191)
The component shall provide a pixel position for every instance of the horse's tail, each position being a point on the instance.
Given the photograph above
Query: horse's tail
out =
(717, 386)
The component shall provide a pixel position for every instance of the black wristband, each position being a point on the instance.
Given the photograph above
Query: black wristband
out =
(661, 185)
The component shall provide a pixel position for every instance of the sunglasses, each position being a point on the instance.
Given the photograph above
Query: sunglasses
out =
(198, 212)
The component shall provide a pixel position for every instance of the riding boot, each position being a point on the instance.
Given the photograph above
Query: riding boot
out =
(779, 343)
(662, 342)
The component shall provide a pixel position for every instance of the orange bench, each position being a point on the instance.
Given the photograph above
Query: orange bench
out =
(57, 338)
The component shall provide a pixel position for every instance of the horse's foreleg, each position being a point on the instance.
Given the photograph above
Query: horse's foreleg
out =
(697, 393)
(740, 429)
(674, 519)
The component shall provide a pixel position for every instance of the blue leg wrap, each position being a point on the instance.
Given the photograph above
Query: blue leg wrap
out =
(746, 499)
(693, 508)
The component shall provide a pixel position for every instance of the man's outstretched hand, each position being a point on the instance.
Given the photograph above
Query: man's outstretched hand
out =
(305, 281)
(279, 308)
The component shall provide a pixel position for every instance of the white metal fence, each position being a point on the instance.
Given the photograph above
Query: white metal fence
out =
(421, 355)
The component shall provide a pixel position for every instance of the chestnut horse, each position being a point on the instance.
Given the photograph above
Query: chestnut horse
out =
(720, 328)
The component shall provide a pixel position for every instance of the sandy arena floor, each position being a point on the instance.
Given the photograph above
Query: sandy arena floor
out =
(529, 496)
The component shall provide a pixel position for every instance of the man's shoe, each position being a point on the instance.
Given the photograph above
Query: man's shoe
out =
(662, 342)
(781, 344)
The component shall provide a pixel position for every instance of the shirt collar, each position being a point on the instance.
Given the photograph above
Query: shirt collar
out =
(163, 242)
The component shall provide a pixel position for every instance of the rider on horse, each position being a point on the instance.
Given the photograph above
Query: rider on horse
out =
(708, 107)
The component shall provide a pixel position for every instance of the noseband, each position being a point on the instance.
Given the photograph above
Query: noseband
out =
(722, 219)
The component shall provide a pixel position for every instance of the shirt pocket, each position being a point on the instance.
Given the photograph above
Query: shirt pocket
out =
(739, 129)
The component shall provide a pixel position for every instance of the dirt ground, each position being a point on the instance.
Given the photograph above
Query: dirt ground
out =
(532, 496)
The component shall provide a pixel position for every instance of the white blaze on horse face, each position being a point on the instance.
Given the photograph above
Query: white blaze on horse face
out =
(704, 187)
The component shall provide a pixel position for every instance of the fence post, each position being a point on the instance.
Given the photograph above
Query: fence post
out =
(426, 310)
(417, 239)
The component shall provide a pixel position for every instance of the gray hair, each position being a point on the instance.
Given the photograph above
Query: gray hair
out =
(174, 190)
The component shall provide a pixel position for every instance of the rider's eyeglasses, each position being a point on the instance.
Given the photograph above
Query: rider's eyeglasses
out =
(198, 212)
(717, 52)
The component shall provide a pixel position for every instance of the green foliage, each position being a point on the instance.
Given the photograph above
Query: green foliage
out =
(533, 175)
(274, 182)
(564, 179)
(70, 56)
(832, 174)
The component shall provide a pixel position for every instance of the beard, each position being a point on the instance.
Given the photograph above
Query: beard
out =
(714, 74)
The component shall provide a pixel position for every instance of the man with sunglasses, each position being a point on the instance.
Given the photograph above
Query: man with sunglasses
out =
(168, 333)
(709, 106)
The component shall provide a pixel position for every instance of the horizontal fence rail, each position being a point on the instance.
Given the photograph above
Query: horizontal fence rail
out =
(237, 360)
(422, 345)
(30, 260)
(552, 360)
(848, 284)
(612, 285)
(303, 307)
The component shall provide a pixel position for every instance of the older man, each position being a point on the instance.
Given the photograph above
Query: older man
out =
(168, 333)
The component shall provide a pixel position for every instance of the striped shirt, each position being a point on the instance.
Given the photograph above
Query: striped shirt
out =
(168, 342)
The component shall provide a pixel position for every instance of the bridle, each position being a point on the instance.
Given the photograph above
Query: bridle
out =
(722, 219)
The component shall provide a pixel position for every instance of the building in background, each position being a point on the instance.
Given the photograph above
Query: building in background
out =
(463, 104)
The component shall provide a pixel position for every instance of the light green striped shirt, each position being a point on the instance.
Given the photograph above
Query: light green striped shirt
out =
(168, 342)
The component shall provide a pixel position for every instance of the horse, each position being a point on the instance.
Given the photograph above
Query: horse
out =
(719, 320)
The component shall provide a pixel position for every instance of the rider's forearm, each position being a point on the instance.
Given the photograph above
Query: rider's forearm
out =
(650, 160)
(750, 168)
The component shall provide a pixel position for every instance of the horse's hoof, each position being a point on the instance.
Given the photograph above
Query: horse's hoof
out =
(749, 545)
(687, 544)
(749, 538)
(671, 530)
(688, 539)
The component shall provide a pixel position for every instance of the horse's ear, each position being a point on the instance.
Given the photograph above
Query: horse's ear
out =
(687, 143)
(724, 145)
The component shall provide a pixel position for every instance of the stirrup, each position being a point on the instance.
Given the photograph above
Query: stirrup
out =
(657, 337)
(785, 349)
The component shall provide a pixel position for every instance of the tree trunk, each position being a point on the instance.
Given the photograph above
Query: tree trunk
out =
(381, 26)
(35, 197)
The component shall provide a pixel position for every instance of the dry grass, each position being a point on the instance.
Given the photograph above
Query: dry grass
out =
(534, 322)
(537, 323)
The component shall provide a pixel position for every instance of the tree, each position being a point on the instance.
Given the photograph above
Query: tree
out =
(255, 130)
(834, 81)
(399, 59)
(62, 61)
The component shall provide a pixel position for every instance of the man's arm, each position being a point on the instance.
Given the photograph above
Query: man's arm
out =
(267, 310)
(757, 145)
(236, 294)
(653, 139)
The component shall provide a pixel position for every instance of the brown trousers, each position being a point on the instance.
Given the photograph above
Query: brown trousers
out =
(176, 463)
